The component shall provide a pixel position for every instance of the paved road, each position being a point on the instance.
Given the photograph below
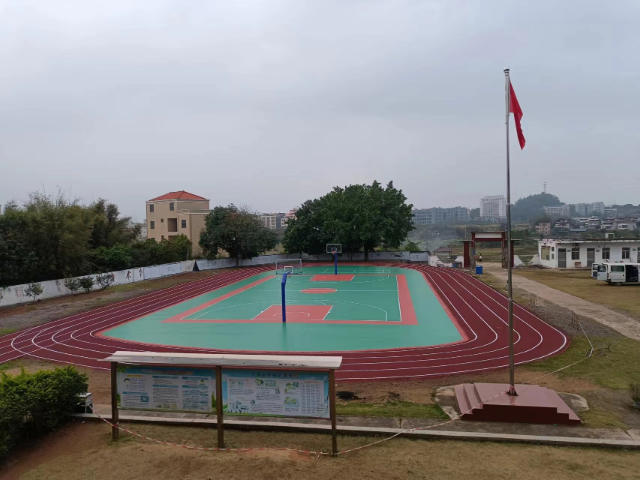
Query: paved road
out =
(627, 326)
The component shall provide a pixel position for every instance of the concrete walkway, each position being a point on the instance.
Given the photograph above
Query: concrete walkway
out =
(627, 326)
(455, 430)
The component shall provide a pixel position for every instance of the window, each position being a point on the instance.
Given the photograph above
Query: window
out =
(544, 253)
(617, 268)
(151, 208)
(153, 224)
(575, 253)
(171, 206)
(626, 253)
(606, 253)
(183, 223)
(162, 220)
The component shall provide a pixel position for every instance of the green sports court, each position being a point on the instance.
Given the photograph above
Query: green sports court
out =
(361, 308)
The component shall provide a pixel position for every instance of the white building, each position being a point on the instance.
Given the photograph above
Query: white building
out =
(583, 253)
(493, 206)
(585, 209)
(558, 211)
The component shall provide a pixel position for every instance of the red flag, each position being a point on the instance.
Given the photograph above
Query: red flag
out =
(514, 107)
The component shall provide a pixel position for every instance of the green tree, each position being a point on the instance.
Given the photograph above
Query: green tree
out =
(59, 231)
(104, 280)
(360, 217)
(109, 229)
(86, 283)
(411, 247)
(33, 290)
(72, 284)
(236, 231)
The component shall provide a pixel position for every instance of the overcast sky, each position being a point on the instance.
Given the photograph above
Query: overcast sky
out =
(269, 103)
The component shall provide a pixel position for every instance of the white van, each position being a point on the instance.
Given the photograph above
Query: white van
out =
(619, 273)
(594, 270)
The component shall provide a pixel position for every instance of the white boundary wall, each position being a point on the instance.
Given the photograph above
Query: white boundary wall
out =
(15, 295)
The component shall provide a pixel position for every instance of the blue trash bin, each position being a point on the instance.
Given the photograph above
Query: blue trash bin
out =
(479, 270)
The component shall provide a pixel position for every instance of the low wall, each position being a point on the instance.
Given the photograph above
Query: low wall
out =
(15, 295)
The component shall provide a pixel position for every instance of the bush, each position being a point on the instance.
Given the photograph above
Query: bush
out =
(33, 404)
(86, 283)
(33, 290)
(105, 280)
(73, 284)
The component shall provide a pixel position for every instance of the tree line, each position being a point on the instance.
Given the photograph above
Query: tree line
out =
(52, 237)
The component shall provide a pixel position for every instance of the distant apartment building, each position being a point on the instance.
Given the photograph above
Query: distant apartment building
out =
(610, 212)
(558, 210)
(584, 209)
(274, 221)
(432, 216)
(543, 228)
(493, 206)
(177, 213)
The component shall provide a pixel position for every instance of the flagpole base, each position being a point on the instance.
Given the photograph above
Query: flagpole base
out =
(512, 391)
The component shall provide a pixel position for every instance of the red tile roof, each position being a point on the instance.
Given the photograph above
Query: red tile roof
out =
(180, 195)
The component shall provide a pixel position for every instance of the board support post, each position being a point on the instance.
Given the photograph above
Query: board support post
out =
(219, 411)
(332, 412)
(115, 414)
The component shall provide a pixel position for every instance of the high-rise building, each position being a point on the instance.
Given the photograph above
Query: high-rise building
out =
(584, 209)
(493, 206)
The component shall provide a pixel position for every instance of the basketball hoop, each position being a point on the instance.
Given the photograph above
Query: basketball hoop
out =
(334, 251)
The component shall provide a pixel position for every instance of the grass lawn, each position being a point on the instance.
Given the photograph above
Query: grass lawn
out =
(82, 451)
(580, 284)
(399, 409)
(7, 331)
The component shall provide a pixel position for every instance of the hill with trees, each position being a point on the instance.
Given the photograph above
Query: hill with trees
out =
(530, 207)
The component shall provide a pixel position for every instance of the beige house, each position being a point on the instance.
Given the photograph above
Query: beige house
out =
(177, 213)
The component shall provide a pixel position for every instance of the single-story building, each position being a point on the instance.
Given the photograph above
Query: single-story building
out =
(583, 253)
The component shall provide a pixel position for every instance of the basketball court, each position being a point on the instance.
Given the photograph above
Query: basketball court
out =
(359, 308)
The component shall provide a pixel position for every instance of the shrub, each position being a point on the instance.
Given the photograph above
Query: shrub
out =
(104, 280)
(33, 404)
(73, 284)
(33, 290)
(86, 283)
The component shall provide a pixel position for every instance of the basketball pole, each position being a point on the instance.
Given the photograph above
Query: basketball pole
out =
(335, 261)
(283, 284)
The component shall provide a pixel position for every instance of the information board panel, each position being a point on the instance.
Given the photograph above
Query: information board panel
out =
(176, 389)
(276, 392)
(244, 392)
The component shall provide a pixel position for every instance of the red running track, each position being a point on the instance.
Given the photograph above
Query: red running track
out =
(479, 310)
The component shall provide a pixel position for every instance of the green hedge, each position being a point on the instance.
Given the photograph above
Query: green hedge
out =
(35, 403)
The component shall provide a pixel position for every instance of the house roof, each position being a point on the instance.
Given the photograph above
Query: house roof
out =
(180, 195)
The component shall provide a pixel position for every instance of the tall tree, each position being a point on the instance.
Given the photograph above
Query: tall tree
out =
(109, 228)
(360, 217)
(236, 231)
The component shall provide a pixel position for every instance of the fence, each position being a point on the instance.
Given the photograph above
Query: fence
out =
(15, 295)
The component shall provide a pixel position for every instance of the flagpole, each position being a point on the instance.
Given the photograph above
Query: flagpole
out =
(512, 368)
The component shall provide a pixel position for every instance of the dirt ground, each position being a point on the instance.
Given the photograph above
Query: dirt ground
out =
(84, 450)
(43, 311)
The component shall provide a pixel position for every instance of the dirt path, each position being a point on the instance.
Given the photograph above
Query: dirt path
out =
(623, 324)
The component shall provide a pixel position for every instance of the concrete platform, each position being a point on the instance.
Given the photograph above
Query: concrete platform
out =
(533, 404)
